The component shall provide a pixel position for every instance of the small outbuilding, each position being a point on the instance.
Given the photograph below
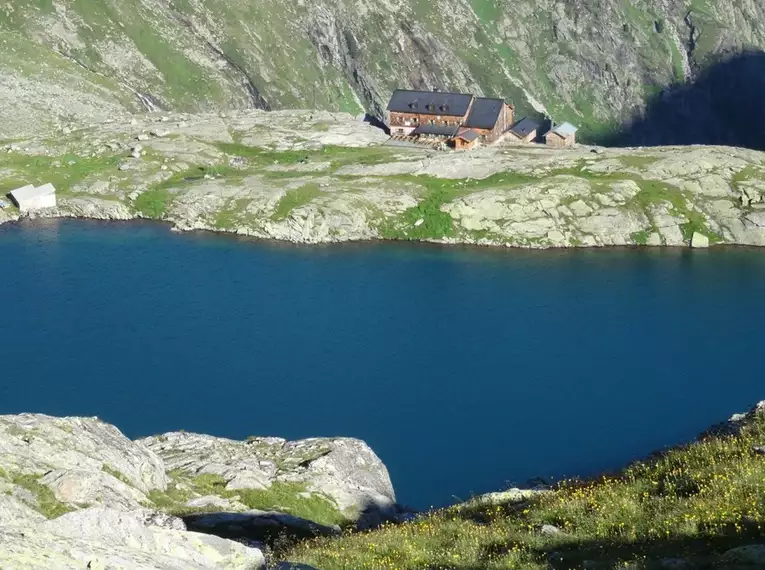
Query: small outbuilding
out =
(466, 139)
(525, 130)
(29, 197)
(562, 135)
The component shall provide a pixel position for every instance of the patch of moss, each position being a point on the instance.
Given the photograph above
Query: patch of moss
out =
(153, 203)
(45, 501)
(295, 499)
(291, 498)
(639, 238)
(426, 220)
(294, 199)
(635, 161)
(653, 193)
(117, 474)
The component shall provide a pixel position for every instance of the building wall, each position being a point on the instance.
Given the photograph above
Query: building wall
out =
(396, 119)
(401, 130)
(38, 202)
(555, 140)
(530, 137)
(460, 144)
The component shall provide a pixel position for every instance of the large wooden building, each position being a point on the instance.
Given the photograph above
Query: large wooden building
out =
(445, 115)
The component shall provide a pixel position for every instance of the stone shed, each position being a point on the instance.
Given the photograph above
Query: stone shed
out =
(30, 197)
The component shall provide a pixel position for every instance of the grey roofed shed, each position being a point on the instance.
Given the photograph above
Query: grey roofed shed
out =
(565, 130)
(436, 130)
(469, 135)
(484, 113)
(430, 103)
(524, 127)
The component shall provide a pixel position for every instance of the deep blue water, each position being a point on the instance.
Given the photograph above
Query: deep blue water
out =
(465, 369)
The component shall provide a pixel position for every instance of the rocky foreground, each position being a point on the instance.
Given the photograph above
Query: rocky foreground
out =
(76, 493)
(315, 177)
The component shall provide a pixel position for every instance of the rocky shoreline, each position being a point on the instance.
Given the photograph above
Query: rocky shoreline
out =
(79, 491)
(311, 177)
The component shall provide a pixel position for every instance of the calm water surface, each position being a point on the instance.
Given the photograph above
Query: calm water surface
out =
(465, 369)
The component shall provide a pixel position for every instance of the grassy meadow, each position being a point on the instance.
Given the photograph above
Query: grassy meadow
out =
(693, 503)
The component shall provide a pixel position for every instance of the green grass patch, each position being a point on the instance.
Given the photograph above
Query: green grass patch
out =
(231, 214)
(153, 203)
(338, 156)
(692, 503)
(291, 498)
(426, 220)
(639, 238)
(38, 170)
(653, 193)
(45, 501)
(117, 474)
(635, 161)
(294, 199)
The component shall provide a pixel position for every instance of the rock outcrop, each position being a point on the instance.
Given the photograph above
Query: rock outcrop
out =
(311, 177)
(346, 471)
(83, 461)
(81, 492)
(101, 538)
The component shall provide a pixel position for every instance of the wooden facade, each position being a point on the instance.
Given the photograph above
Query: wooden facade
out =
(466, 139)
(526, 130)
(410, 110)
(556, 140)
(561, 135)
(404, 123)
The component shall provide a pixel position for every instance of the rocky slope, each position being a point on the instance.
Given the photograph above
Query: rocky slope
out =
(321, 177)
(83, 494)
(594, 63)
(76, 493)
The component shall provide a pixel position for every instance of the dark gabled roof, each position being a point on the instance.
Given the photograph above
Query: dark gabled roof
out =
(430, 103)
(524, 127)
(484, 113)
(469, 135)
(437, 130)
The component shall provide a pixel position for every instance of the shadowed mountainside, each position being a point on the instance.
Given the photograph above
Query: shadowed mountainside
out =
(724, 106)
(589, 62)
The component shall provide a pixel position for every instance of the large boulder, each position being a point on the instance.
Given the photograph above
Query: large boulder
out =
(83, 461)
(344, 470)
(752, 556)
(106, 538)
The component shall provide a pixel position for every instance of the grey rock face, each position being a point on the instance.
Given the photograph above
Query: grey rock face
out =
(699, 241)
(83, 460)
(345, 470)
(584, 57)
(107, 538)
